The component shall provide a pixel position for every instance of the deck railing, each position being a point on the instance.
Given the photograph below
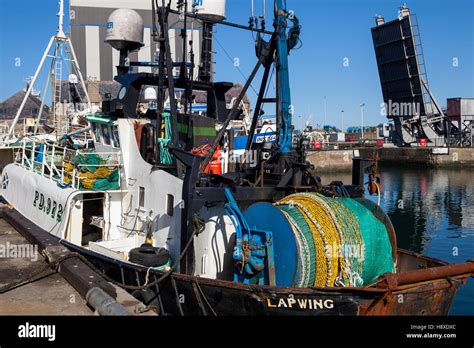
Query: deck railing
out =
(58, 163)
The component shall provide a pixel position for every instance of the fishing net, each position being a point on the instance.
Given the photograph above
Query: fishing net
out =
(164, 140)
(93, 172)
(339, 242)
(306, 268)
(378, 250)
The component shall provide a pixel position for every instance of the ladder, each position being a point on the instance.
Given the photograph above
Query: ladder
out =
(58, 72)
(428, 104)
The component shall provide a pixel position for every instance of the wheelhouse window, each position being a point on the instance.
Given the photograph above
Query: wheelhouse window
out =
(96, 131)
(115, 137)
(106, 133)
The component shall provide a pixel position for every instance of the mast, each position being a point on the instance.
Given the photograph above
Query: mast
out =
(59, 39)
(60, 33)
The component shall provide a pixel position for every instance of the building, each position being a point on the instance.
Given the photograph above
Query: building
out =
(355, 134)
(98, 60)
(460, 112)
(9, 107)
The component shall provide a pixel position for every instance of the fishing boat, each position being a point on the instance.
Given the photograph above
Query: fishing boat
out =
(144, 210)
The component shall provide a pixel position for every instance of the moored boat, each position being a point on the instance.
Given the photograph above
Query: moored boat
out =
(143, 210)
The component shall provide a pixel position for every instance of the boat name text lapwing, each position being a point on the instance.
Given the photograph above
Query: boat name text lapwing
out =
(305, 303)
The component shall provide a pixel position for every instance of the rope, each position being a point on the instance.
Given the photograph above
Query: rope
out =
(205, 298)
(378, 193)
(165, 156)
(54, 265)
(147, 277)
(236, 66)
(198, 228)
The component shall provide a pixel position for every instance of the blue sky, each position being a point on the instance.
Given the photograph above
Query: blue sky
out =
(332, 31)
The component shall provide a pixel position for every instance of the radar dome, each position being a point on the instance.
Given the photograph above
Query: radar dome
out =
(213, 10)
(125, 30)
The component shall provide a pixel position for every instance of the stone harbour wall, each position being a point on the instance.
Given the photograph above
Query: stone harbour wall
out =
(341, 160)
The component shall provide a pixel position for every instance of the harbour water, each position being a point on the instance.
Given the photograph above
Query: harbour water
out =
(433, 213)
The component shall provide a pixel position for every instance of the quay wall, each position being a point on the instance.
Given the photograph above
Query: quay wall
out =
(332, 160)
(341, 160)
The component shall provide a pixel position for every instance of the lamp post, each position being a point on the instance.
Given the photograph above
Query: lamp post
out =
(325, 112)
(362, 120)
(342, 121)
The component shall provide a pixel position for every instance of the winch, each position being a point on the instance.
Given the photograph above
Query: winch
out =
(307, 240)
(253, 251)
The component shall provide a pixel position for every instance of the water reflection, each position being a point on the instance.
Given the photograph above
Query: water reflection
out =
(433, 214)
(421, 202)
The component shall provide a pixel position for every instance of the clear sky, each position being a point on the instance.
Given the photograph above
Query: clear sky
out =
(332, 30)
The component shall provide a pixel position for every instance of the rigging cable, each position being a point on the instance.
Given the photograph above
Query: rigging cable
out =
(236, 66)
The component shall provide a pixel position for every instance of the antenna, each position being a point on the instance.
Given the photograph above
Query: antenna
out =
(60, 33)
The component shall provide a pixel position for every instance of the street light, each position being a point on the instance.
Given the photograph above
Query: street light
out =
(362, 119)
(342, 121)
(325, 112)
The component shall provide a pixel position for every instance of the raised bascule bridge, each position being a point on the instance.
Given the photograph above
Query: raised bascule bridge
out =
(409, 100)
